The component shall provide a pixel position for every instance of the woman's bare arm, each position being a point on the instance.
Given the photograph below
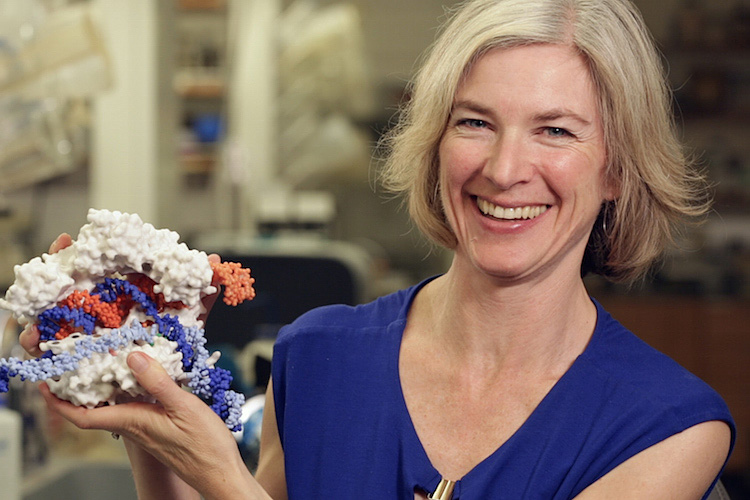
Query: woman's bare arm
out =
(680, 467)
(271, 472)
(154, 480)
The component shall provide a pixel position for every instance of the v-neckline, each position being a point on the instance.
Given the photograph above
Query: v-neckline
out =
(430, 477)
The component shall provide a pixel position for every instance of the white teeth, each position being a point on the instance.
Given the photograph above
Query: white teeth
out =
(498, 212)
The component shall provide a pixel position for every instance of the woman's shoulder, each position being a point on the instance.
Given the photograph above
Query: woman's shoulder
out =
(624, 396)
(336, 318)
(645, 374)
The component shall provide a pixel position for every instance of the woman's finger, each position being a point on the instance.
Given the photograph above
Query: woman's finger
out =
(29, 337)
(62, 241)
(82, 417)
(123, 418)
(155, 379)
(29, 340)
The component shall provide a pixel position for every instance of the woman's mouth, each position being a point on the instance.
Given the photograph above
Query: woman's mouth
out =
(510, 213)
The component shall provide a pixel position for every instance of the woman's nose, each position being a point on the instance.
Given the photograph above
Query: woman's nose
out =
(508, 163)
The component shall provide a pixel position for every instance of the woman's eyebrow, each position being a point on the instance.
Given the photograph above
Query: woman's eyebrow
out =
(549, 115)
(557, 113)
(472, 106)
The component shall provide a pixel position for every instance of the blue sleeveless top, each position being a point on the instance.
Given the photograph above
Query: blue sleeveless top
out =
(346, 432)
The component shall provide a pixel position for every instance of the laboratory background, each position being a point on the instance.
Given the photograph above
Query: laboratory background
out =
(250, 127)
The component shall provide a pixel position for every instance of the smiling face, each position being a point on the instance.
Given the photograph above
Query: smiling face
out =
(522, 162)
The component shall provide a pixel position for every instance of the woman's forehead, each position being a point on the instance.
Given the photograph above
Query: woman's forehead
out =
(545, 77)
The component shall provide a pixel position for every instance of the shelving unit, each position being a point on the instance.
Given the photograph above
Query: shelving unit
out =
(200, 82)
(709, 64)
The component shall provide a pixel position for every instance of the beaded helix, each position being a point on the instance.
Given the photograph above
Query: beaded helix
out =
(123, 286)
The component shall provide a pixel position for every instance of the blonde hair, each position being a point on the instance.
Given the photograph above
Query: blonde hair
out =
(658, 188)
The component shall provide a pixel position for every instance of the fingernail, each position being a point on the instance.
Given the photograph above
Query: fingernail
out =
(137, 362)
(56, 243)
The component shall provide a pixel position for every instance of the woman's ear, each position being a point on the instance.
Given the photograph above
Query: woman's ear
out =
(612, 184)
(611, 191)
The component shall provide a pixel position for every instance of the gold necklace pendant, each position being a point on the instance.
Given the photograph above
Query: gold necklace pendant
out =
(444, 490)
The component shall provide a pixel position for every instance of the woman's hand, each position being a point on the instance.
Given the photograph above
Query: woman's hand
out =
(29, 337)
(181, 432)
(209, 300)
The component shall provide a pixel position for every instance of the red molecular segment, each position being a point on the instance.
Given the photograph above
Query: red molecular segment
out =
(238, 285)
(111, 314)
(108, 315)
(146, 285)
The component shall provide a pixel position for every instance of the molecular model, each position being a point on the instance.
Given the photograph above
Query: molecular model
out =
(123, 286)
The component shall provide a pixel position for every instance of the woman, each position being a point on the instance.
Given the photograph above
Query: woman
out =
(537, 146)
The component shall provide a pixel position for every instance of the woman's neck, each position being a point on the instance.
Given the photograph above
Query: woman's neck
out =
(538, 326)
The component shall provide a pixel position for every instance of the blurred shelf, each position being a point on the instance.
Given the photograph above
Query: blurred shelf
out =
(713, 118)
(199, 84)
(202, 91)
(201, 5)
(730, 56)
(198, 163)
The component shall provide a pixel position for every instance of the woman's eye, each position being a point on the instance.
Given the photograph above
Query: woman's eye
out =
(473, 123)
(557, 132)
